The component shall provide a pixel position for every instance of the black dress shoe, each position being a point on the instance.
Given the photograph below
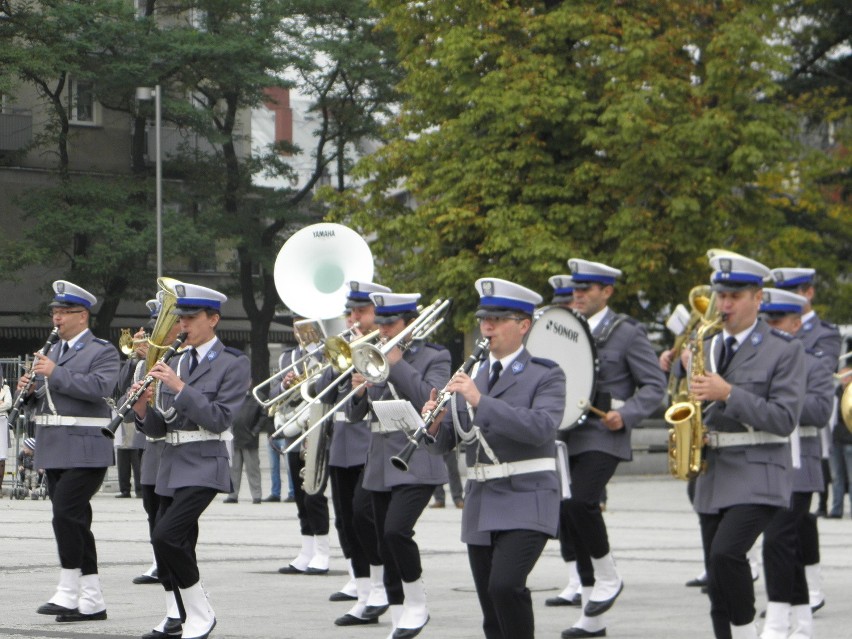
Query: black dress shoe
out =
(275, 498)
(316, 571)
(290, 570)
(230, 500)
(80, 616)
(123, 496)
(54, 609)
(341, 596)
(571, 633)
(145, 579)
(408, 633)
(174, 626)
(352, 620)
(698, 582)
(374, 612)
(576, 600)
(256, 500)
(818, 606)
(595, 608)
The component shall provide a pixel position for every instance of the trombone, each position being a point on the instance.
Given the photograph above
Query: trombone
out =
(332, 349)
(372, 363)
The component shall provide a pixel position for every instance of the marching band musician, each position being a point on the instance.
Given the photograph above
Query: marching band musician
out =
(353, 507)
(754, 388)
(631, 378)
(513, 490)
(400, 497)
(71, 382)
(784, 541)
(823, 337)
(200, 393)
(312, 510)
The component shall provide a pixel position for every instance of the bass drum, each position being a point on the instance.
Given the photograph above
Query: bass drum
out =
(563, 336)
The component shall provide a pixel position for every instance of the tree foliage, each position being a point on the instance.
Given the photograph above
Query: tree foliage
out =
(637, 134)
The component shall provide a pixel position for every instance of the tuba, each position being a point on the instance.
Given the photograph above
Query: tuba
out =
(687, 431)
(157, 344)
(846, 398)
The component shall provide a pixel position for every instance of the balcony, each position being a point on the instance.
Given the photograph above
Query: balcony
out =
(16, 131)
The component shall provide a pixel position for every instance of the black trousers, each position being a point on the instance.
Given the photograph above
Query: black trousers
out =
(71, 491)
(580, 517)
(345, 484)
(127, 460)
(783, 559)
(364, 523)
(176, 534)
(396, 512)
(151, 504)
(311, 509)
(727, 536)
(809, 538)
(500, 574)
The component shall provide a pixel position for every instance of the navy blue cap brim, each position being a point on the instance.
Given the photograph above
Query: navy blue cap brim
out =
(387, 319)
(55, 304)
(188, 311)
(733, 287)
(350, 303)
(562, 299)
(496, 311)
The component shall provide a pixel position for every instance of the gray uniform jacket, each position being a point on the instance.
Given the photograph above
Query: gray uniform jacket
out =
(518, 419)
(83, 377)
(767, 373)
(350, 441)
(819, 335)
(150, 465)
(212, 396)
(630, 372)
(423, 367)
(816, 411)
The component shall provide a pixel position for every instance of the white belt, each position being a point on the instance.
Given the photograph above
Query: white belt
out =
(615, 404)
(68, 420)
(377, 427)
(178, 437)
(154, 439)
(340, 416)
(808, 431)
(484, 472)
(756, 438)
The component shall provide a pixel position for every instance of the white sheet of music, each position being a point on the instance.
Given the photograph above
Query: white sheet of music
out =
(397, 414)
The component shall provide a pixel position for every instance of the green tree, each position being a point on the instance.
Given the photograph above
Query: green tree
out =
(638, 134)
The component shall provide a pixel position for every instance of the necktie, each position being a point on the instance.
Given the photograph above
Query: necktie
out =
(64, 349)
(193, 360)
(495, 374)
(727, 353)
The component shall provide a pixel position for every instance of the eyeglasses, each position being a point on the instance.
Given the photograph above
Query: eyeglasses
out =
(62, 312)
(493, 319)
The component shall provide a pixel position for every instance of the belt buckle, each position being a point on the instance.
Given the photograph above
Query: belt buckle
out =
(479, 472)
(713, 439)
(176, 438)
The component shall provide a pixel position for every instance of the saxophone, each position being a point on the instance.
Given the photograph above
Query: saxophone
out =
(687, 431)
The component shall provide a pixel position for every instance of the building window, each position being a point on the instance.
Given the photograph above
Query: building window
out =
(81, 102)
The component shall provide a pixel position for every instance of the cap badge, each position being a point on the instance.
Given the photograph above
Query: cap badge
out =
(488, 289)
(767, 297)
(60, 287)
(355, 286)
(380, 300)
(180, 290)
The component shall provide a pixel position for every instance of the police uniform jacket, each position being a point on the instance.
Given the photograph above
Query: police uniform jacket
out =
(83, 377)
(423, 366)
(816, 411)
(350, 441)
(150, 465)
(767, 374)
(821, 336)
(629, 371)
(518, 419)
(211, 398)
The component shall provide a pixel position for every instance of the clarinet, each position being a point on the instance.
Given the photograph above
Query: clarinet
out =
(22, 395)
(401, 461)
(109, 431)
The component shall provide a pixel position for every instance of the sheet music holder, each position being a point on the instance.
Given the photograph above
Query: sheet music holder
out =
(397, 414)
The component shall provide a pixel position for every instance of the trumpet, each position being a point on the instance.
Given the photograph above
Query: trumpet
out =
(109, 430)
(127, 343)
(371, 362)
(22, 395)
(480, 350)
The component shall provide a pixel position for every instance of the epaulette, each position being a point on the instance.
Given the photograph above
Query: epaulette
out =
(437, 347)
(782, 334)
(100, 341)
(234, 351)
(828, 325)
(816, 352)
(628, 319)
(548, 363)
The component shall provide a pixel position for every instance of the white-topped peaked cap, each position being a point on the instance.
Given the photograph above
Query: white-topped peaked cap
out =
(153, 307)
(733, 272)
(791, 277)
(584, 272)
(778, 300)
(192, 299)
(359, 293)
(563, 288)
(501, 297)
(392, 306)
(68, 294)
